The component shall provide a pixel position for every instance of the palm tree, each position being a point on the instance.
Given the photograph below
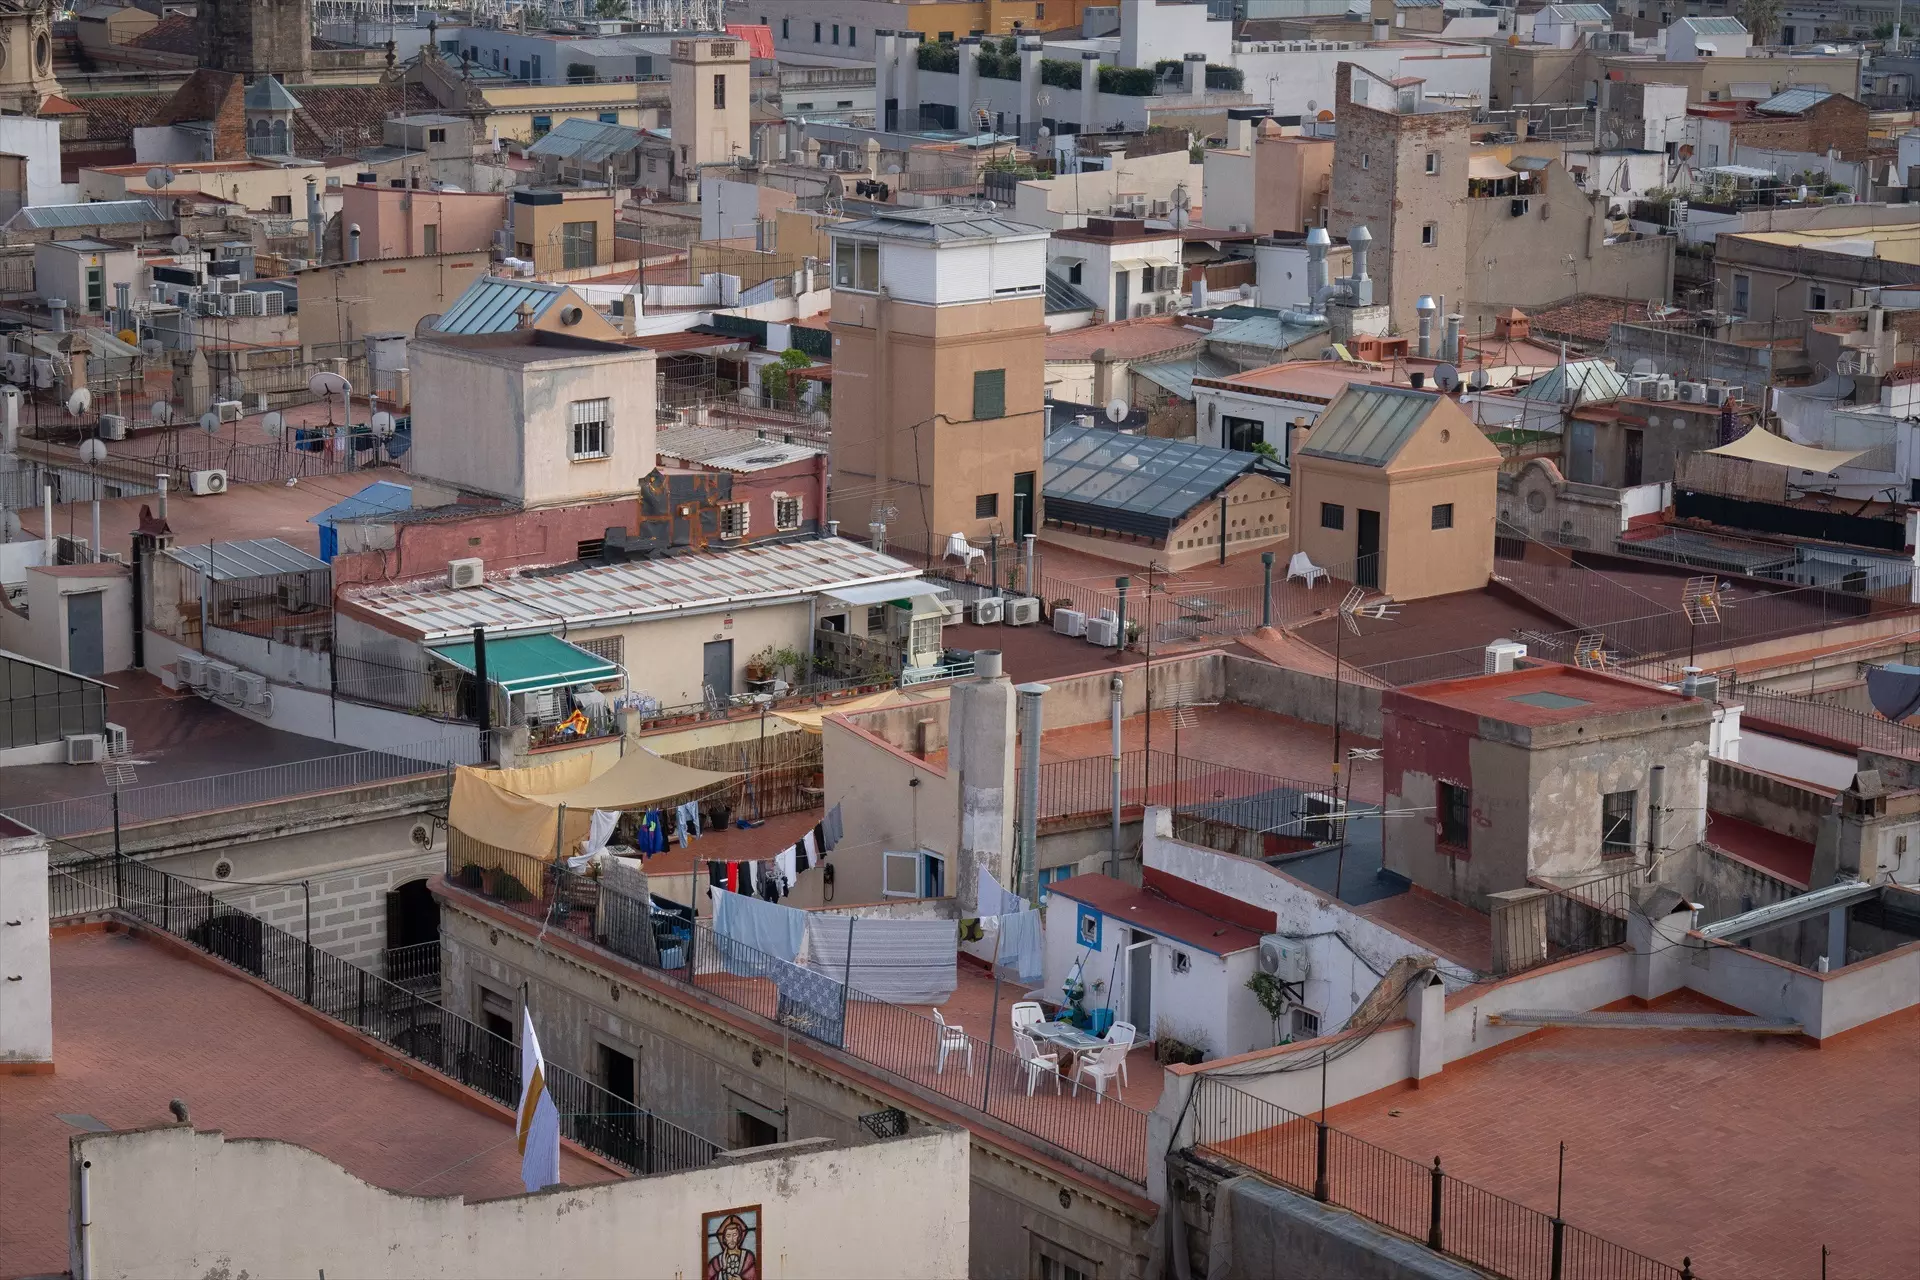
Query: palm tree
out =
(1761, 18)
(608, 10)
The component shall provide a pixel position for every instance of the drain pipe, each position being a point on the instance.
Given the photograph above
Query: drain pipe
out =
(483, 697)
(1026, 831)
(1656, 806)
(46, 525)
(1120, 586)
(1117, 687)
(1033, 588)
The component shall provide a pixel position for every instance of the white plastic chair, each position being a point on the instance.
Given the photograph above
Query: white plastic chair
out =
(1027, 1013)
(1104, 1065)
(1038, 1064)
(1302, 567)
(1123, 1033)
(951, 1037)
(959, 549)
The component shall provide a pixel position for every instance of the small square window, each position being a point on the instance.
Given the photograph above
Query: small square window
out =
(1816, 297)
(592, 434)
(786, 511)
(720, 92)
(986, 506)
(1089, 927)
(1332, 516)
(1365, 160)
(1616, 824)
(1430, 234)
(1455, 804)
(436, 135)
(733, 520)
(1073, 273)
(816, 33)
(1443, 515)
(1433, 162)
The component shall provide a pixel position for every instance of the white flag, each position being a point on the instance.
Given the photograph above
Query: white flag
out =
(539, 1118)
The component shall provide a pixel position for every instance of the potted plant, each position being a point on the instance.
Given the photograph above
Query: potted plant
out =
(1272, 995)
(1171, 1050)
(760, 665)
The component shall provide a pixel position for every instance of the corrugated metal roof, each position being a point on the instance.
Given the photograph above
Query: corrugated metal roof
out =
(1713, 26)
(639, 589)
(1575, 13)
(1139, 484)
(1369, 425)
(103, 344)
(586, 141)
(100, 213)
(252, 558)
(729, 448)
(1792, 102)
(490, 303)
(382, 497)
(936, 226)
(1176, 376)
(1575, 383)
(1265, 331)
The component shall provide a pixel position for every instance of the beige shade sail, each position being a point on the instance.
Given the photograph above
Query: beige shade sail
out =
(809, 718)
(1489, 168)
(1759, 445)
(518, 809)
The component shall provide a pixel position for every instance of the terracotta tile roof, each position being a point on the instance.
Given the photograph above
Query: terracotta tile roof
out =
(338, 119)
(1587, 318)
(246, 1062)
(175, 34)
(112, 116)
(1124, 339)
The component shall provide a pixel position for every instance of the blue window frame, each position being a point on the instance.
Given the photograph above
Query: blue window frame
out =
(1087, 926)
(1048, 875)
(609, 117)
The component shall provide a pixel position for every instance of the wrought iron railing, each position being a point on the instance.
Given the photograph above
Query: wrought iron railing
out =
(1422, 1202)
(416, 967)
(981, 1074)
(389, 1012)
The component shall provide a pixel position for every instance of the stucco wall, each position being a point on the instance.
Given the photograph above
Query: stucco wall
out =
(26, 996)
(173, 1201)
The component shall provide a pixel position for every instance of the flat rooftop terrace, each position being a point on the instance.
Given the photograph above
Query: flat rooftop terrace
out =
(139, 1022)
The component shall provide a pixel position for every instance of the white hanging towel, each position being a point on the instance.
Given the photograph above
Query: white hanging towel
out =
(905, 961)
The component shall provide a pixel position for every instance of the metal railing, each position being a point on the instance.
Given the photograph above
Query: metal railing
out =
(417, 967)
(983, 1076)
(1422, 1202)
(1244, 798)
(1856, 728)
(402, 1019)
(107, 811)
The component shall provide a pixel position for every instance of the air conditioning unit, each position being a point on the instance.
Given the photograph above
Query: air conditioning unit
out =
(987, 609)
(1518, 208)
(1663, 389)
(291, 596)
(1641, 387)
(276, 303)
(113, 426)
(1283, 958)
(1023, 611)
(954, 611)
(207, 483)
(1693, 392)
(248, 303)
(220, 678)
(229, 410)
(466, 573)
(542, 706)
(1719, 395)
(117, 743)
(18, 367)
(86, 748)
(1504, 655)
(1070, 622)
(192, 669)
(250, 687)
(1103, 632)
(1142, 309)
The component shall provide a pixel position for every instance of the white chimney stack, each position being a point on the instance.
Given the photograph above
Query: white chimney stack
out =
(26, 958)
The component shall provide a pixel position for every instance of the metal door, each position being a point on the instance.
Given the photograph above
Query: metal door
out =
(1122, 294)
(1366, 572)
(717, 667)
(86, 646)
(1022, 506)
(1636, 456)
(1140, 983)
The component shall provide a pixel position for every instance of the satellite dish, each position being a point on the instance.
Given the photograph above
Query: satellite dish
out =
(180, 244)
(328, 384)
(161, 411)
(988, 205)
(1644, 368)
(1446, 378)
(1894, 690)
(160, 178)
(1117, 410)
(1312, 106)
(80, 401)
(210, 423)
(1479, 381)
(128, 336)
(93, 452)
(382, 424)
(233, 388)
(274, 424)
(152, 349)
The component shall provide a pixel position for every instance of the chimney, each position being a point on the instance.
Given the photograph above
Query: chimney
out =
(160, 482)
(57, 308)
(1026, 877)
(980, 763)
(1380, 32)
(1358, 239)
(353, 243)
(1425, 309)
(9, 418)
(523, 316)
(316, 223)
(123, 303)
(1450, 345)
(26, 958)
(1318, 242)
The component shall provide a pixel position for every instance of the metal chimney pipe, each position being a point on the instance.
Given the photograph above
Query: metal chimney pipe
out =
(57, 308)
(1117, 687)
(1380, 32)
(986, 664)
(1032, 588)
(353, 243)
(1656, 806)
(160, 481)
(10, 435)
(46, 522)
(1425, 308)
(1318, 242)
(483, 695)
(316, 222)
(1358, 239)
(1026, 830)
(1450, 345)
(123, 302)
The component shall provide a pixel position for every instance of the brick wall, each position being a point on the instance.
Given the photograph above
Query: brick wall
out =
(1837, 123)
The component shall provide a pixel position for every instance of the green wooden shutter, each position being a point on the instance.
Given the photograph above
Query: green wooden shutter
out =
(990, 393)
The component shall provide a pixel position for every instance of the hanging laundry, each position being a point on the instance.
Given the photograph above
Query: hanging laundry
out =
(833, 829)
(767, 881)
(760, 930)
(1020, 946)
(811, 844)
(905, 961)
(599, 830)
(651, 833)
(688, 816)
(789, 865)
(994, 900)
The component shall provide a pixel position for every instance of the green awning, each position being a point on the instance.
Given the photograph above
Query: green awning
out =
(527, 664)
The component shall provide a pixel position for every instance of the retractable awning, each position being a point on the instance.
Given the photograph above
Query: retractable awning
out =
(884, 592)
(528, 664)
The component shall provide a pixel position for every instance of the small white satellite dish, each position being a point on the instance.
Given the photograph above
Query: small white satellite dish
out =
(1117, 410)
(1478, 380)
(988, 205)
(382, 424)
(1446, 378)
(326, 383)
(1644, 368)
(80, 401)
(180, 244)
(93, 452)
(160, 178)
(210, 423)
(151, 349)
(161, 412)
(274, 424)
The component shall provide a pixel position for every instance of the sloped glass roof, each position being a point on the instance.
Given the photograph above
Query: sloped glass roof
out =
(1137, 482)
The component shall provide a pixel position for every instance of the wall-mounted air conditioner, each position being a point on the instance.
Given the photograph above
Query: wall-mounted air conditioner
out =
(467, 573)
(1023, 611)
(1070, 622)
(986, 610)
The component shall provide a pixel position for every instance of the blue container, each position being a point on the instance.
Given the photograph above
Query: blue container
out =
(1102, 1020)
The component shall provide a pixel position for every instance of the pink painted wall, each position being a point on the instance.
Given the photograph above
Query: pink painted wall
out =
(389, 229)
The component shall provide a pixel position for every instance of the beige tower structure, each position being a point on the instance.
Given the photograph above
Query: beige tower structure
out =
(709, 97)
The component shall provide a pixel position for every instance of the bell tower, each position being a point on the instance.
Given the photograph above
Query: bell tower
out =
(26, 55)
(257, 37)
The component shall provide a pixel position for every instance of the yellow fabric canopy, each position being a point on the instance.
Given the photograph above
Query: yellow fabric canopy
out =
(1490, 168)
(809, 718)
(1760, 445)
(516, 808)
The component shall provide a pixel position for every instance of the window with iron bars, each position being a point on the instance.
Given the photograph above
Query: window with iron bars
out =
(733, 520)
(591, 433)
(611, 648)
(786, 511)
